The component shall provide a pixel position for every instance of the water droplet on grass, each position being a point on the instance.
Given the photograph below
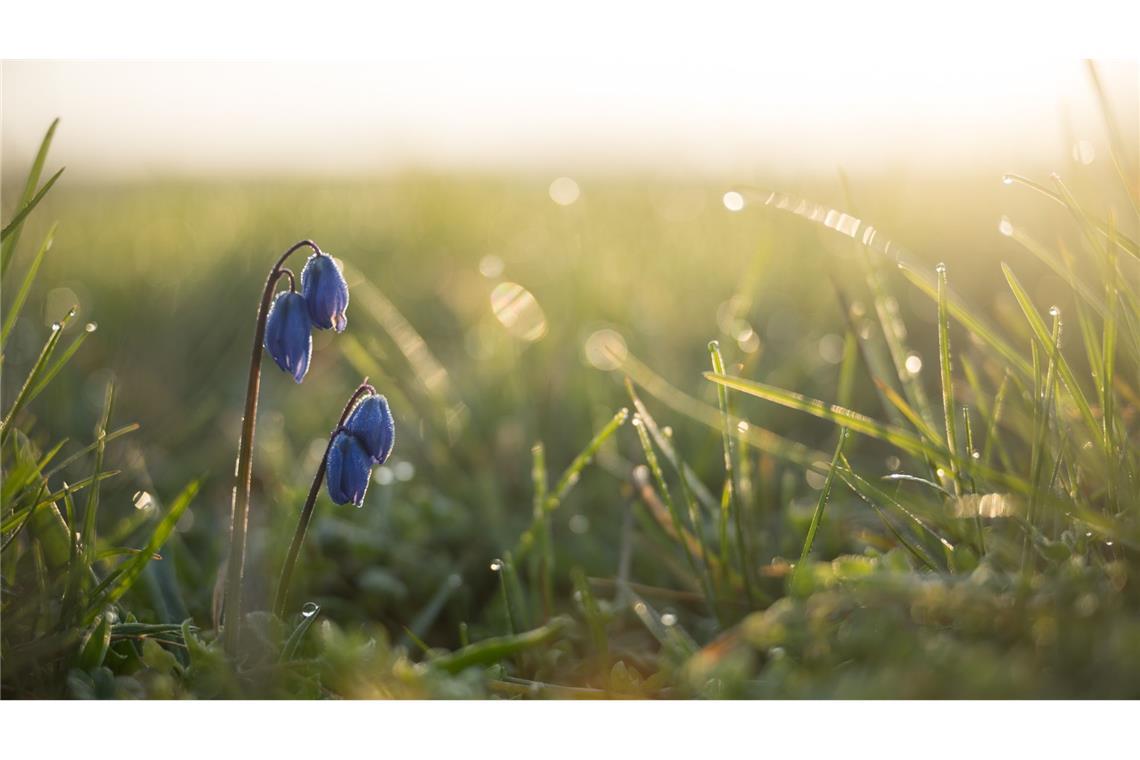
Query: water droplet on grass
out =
(496, 565)
(1005, 226)
(668, 619)
(309, 609)
(1054, 311)
(91, 327)
(1006, 179)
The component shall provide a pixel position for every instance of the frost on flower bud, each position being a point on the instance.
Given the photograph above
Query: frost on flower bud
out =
(371, 422)
(325, 291)
(288, 335)
(348, 469)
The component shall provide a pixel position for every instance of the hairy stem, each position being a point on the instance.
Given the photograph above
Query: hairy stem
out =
(307, 511)
(239, 516)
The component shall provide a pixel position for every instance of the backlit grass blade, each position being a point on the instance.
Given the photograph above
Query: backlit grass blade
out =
(830, 412)
(732, 497)
(541, 519)
(821, 504)
(17, 302)
(967, 316)
(682, 403)
(1042, 333)
(570, 476)
(946, 376)
(8, 246)
(681, 469)
(110, 590)
(34, 375)
(22, 214)
(663, 488)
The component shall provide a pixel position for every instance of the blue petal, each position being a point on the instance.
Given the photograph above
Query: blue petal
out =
(325, 291)
(347, 470)
(371, 422)
(287, 334)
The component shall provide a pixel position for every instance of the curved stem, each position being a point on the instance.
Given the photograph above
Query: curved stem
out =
(239, 516)
(310, 502)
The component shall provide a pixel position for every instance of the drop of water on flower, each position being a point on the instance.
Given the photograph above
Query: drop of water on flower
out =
(91, 327)
(496, 565)
(309, 609)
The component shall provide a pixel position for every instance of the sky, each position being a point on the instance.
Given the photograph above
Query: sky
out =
(692, 109)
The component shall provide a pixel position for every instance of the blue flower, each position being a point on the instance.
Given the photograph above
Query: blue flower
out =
(287, 334)
(325, 291)
(371, 422)
(348, 469)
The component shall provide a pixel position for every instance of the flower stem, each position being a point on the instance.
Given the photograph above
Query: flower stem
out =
(310, 502)
(239, 516)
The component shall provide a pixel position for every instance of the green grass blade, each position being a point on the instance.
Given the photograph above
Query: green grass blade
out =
(131, 570)
(25, 287)
(824, 495)
(8, 246)
(731, 489)
(1042, 333)
(22, 214)
(946, 376)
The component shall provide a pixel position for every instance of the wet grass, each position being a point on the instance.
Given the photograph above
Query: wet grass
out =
(897, 479)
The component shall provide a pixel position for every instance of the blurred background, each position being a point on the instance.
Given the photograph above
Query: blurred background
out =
(507, 229)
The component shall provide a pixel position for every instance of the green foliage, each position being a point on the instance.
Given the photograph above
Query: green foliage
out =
(974, 532)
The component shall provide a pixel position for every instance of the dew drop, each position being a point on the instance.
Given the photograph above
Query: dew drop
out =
(1007, 179)
(941, 268)
(309, 609)
(496, 565)
(1005, 226)
(91, 327)
(1054, 311)
(668, 619)
(56, 326)
(142, 500)
(913, 364)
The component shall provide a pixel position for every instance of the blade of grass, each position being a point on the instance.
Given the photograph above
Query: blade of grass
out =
(8, 246)
(730, 485)
(22, 214)
(114, 586)
(824, 495)
(25, 287)
(946, 376)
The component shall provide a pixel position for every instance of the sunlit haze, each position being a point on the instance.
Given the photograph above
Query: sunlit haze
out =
(706, 113)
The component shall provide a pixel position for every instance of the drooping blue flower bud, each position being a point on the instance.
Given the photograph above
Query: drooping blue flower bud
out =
(348, 470)
(288, 336)
(326, 292)
(371, 422)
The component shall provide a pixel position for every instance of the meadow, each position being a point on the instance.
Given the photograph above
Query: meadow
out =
(886, 478)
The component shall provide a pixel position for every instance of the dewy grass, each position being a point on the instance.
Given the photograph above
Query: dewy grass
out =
(872, 575)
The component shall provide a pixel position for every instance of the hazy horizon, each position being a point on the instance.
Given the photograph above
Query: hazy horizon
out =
(141, 120)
